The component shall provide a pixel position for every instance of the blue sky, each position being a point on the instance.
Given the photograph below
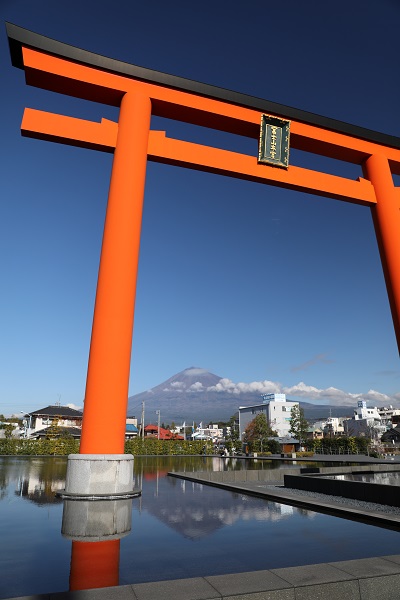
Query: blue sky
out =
(251, 282)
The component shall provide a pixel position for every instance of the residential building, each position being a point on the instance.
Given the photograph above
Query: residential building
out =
(390, 416)
(333, 426)
(314, 433)
(363, 412)
(163, 434)
(365, 422)
(64, 416)
(211, 432)
(131, 428)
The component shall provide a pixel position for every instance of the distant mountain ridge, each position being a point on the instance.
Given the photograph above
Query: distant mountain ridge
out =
(191, 395)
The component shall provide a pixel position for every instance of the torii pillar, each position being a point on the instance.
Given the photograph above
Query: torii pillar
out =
(102, 461)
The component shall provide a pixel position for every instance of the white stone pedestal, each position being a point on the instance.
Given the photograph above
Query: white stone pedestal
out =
(99, 477)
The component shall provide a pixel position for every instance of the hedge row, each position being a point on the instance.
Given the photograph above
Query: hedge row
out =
(152, 446)
(24, 446)
(63, 447)
(352, 445)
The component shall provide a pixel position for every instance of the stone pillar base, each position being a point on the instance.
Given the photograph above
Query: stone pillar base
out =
(99, 477)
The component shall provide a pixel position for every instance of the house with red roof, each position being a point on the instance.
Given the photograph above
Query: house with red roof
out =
(165, 434)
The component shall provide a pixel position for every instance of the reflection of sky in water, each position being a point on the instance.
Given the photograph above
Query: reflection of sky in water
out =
(381, 478)
(179, 528)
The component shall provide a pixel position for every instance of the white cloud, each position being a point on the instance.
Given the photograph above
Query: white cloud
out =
(196, 387)
(195, 371)
(259, 387)
(374, 396)
(330, 395)
(177, 385)
(74, 406)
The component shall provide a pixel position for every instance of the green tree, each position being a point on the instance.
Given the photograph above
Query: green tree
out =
(258, 431)
(298, 424)
(53, 430)
(232, 441)
(8, 431)
(234, 429)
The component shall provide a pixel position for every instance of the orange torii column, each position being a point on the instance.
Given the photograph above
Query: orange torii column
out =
(386, 217)
(102, 467)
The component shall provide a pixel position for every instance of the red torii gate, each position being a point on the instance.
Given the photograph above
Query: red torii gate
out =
(140, 93)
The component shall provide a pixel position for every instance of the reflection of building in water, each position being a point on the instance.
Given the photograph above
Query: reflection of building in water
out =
(388, 478)
(40, 492)
(196, 511)
(41, 479)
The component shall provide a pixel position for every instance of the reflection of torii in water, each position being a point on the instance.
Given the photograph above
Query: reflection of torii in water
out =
(140, 93)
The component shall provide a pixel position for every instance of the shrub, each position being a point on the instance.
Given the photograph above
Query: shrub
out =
(63, 446)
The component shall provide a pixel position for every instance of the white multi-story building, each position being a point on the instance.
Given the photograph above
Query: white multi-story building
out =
(276, 409)
(366, 421)
(333, 426)
(387, 413)
(370, 414)
(211, 432)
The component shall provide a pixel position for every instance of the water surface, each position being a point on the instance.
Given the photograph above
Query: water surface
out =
(179, 528)
(388, 478)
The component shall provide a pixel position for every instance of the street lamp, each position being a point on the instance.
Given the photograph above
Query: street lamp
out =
(158, 429)
(30, 423)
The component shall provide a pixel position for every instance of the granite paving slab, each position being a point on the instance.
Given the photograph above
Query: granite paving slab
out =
(312, 574)
(285, 594)
(196, 588)
(122, 592)
(368, 567)
(245, 583)
(331, 591)
(386, 587)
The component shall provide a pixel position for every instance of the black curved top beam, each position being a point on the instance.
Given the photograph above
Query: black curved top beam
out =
(19, 37)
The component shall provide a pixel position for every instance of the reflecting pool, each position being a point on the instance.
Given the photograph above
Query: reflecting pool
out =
(179, 529)
(385, 478)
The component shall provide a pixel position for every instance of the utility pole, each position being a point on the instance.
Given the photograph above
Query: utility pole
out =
(143, 420)
(159, 419)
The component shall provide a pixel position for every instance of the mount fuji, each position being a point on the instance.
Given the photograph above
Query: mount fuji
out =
(194, 395)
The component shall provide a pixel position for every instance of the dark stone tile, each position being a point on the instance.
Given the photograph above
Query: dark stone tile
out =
(286, 594)
(368, 567)
(311, 574)
(246, 583)
(330, 591)
(122, 592)
(393, 558)
(385, 588)
(196, 588)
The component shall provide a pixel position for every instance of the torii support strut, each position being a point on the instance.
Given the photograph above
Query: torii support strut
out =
(139, 93)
